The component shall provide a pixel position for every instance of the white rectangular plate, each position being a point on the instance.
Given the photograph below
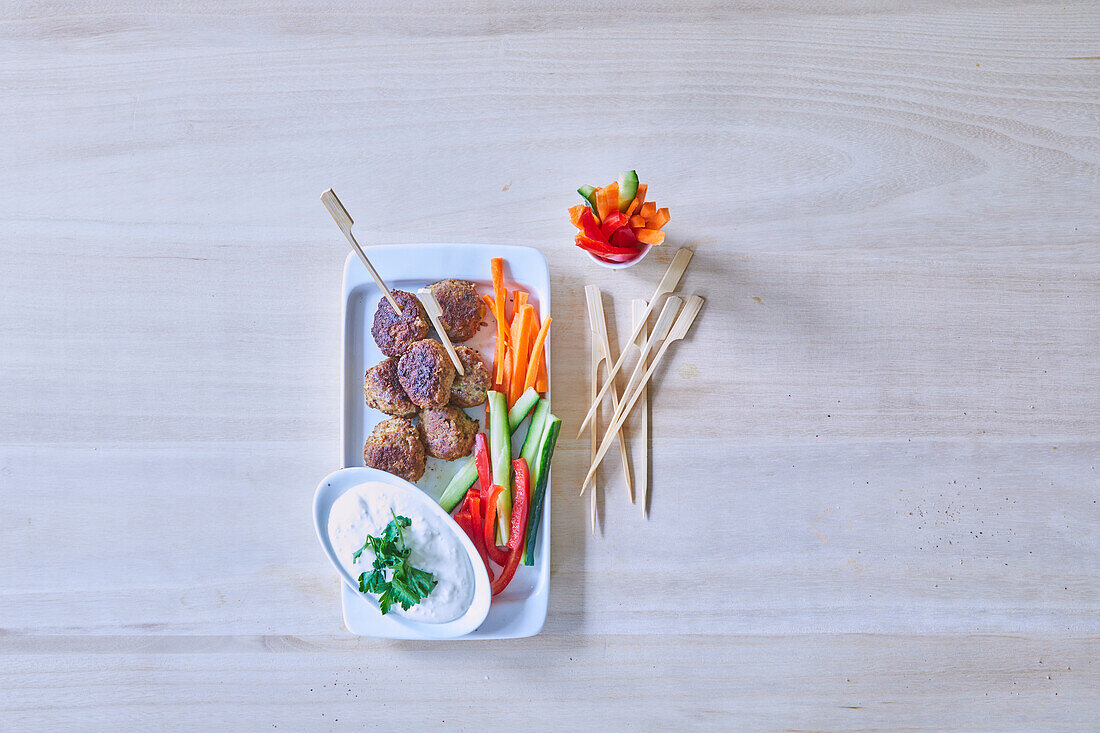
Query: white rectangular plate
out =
(521, 609)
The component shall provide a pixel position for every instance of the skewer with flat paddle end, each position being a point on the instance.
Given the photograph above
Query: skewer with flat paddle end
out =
(679, 330)
(343, 220)
(660, 331)
(595, 362)
(435, 313)
(641, 452)
(598, 323)
(666, 286)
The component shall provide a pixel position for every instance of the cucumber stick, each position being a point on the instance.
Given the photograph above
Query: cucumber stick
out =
(500, 454)
(540, 479)
(461, 482)
(523, 405)
(589, 194)
(534, 434)
(628, 188)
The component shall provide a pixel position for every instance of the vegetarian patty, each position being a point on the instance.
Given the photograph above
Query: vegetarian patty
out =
(394, 447)
(462, 308)
(383, 390)
(448, 432)
(468, 390)
(426, 373)
(394, 333)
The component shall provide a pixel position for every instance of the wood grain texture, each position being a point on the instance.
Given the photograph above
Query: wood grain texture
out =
(874, 460)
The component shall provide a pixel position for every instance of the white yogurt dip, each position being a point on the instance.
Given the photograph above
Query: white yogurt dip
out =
(366, 509)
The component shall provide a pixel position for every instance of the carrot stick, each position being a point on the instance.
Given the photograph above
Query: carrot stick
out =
(542, 384)
(575, 216)
(649, 236)
(537, 357)
(637, 222)
(638, 200)
(490, 304)
(497, 267)
(521, 300)
(607, 200)
(658, 220)
(648, 209)
(506, 368)
(522, 345)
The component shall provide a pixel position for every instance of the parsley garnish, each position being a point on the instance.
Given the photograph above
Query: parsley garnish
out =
(406, 585)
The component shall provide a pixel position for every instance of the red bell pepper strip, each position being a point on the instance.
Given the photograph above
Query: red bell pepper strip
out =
(481, 457)
(520, 500)
(613, 222)
(463, 520)
(591, 227)
(476, 529)
(599, 248)
(489, 529)
(624, 237)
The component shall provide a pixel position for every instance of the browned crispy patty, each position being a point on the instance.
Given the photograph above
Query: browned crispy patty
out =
(393, 333)
(448, 432)
(426, 373)
(468, 390)
(462, 308)
(383, 390)
(394, 447)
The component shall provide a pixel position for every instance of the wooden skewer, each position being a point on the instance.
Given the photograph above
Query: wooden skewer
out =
(659, 334)
(667, 285)
(679, 330)
(641, 451)
(343, 220)
(593, 445)
(435, 313)
(598, 322)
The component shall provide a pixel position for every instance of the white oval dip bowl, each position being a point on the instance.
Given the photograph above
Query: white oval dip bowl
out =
(368, 482)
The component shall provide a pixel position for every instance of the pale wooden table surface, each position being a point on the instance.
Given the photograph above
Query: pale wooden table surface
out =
(874, 465)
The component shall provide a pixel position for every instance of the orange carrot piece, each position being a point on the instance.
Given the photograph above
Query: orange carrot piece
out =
(648, 209)
(490, 304)
(497, 268)
(542, 384)
(637, 222)
(522, 347)
(637, 202)
(513, 334)
(649, 236)
(658, 220)
(575, 216)
(542, 381)
(537, 357)
(607, 200)
(521, 300)
(506, 368)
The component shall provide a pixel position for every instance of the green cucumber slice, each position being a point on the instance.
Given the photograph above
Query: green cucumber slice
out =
(500, 453)
(523, 405)
(589, 194)
(542, 472)
(529, 452)
(628, 188)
